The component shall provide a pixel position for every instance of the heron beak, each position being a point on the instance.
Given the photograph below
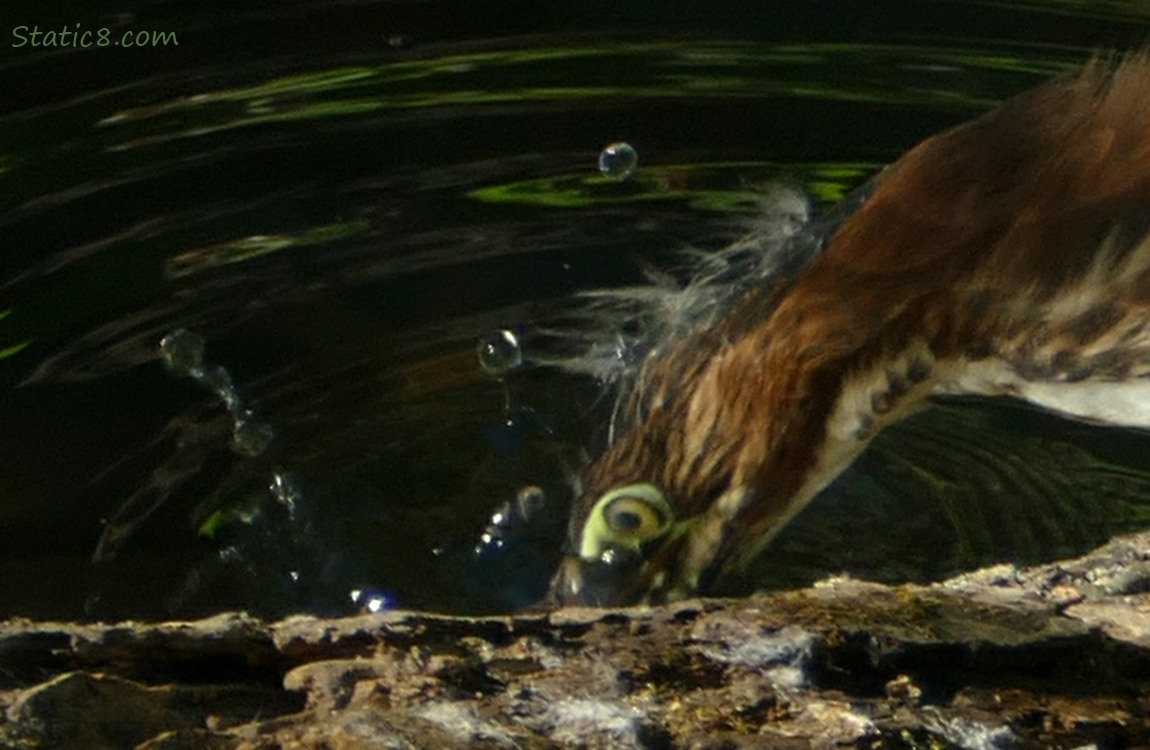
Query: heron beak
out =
(591, 583)
(567, 585)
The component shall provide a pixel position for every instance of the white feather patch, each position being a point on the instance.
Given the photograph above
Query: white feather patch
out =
(1124, 403)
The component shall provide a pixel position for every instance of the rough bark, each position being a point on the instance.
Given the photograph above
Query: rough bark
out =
(1053, 656)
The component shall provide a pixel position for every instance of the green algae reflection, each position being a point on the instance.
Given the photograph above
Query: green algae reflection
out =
(256, 246)
(706, 187)
(8, 351)
(920, 76)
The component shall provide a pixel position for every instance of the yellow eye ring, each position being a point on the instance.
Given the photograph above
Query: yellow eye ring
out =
(632, 518)
(626, 517)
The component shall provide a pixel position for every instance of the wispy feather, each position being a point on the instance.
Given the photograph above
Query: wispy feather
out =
(614, 335)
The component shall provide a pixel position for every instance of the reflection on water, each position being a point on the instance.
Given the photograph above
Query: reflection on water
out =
(364, 256)
(664, 71)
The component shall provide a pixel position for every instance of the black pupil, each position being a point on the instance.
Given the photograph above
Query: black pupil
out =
(626, 520)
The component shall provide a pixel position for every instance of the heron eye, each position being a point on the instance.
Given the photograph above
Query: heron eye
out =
(626, 517)
(634, 518)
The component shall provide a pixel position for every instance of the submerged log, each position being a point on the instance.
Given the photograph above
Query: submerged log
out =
(1052, 656)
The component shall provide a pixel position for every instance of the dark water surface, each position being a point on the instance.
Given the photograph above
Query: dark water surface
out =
(342, 198)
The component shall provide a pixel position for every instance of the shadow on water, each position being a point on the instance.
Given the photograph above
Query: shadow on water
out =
(342, 200)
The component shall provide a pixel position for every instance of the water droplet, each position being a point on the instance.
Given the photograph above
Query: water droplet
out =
(286, 490)
(219, 380)
(370, 601)
(499, 352)
(251, 436)
(530, 501)
(183, 352)
(618, 160)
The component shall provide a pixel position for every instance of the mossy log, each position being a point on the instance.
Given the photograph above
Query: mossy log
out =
(1054, 656)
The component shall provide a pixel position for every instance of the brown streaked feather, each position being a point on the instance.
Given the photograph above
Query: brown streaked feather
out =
(1008, 255)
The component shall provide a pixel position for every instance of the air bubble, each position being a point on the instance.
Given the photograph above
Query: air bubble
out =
(618, 160)
(499, 352)
(183, 352)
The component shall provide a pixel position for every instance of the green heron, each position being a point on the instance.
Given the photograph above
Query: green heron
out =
(1009, 256)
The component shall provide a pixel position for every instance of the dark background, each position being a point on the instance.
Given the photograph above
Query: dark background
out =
(340, 198)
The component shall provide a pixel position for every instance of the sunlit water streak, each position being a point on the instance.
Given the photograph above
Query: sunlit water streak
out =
(343, 230)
